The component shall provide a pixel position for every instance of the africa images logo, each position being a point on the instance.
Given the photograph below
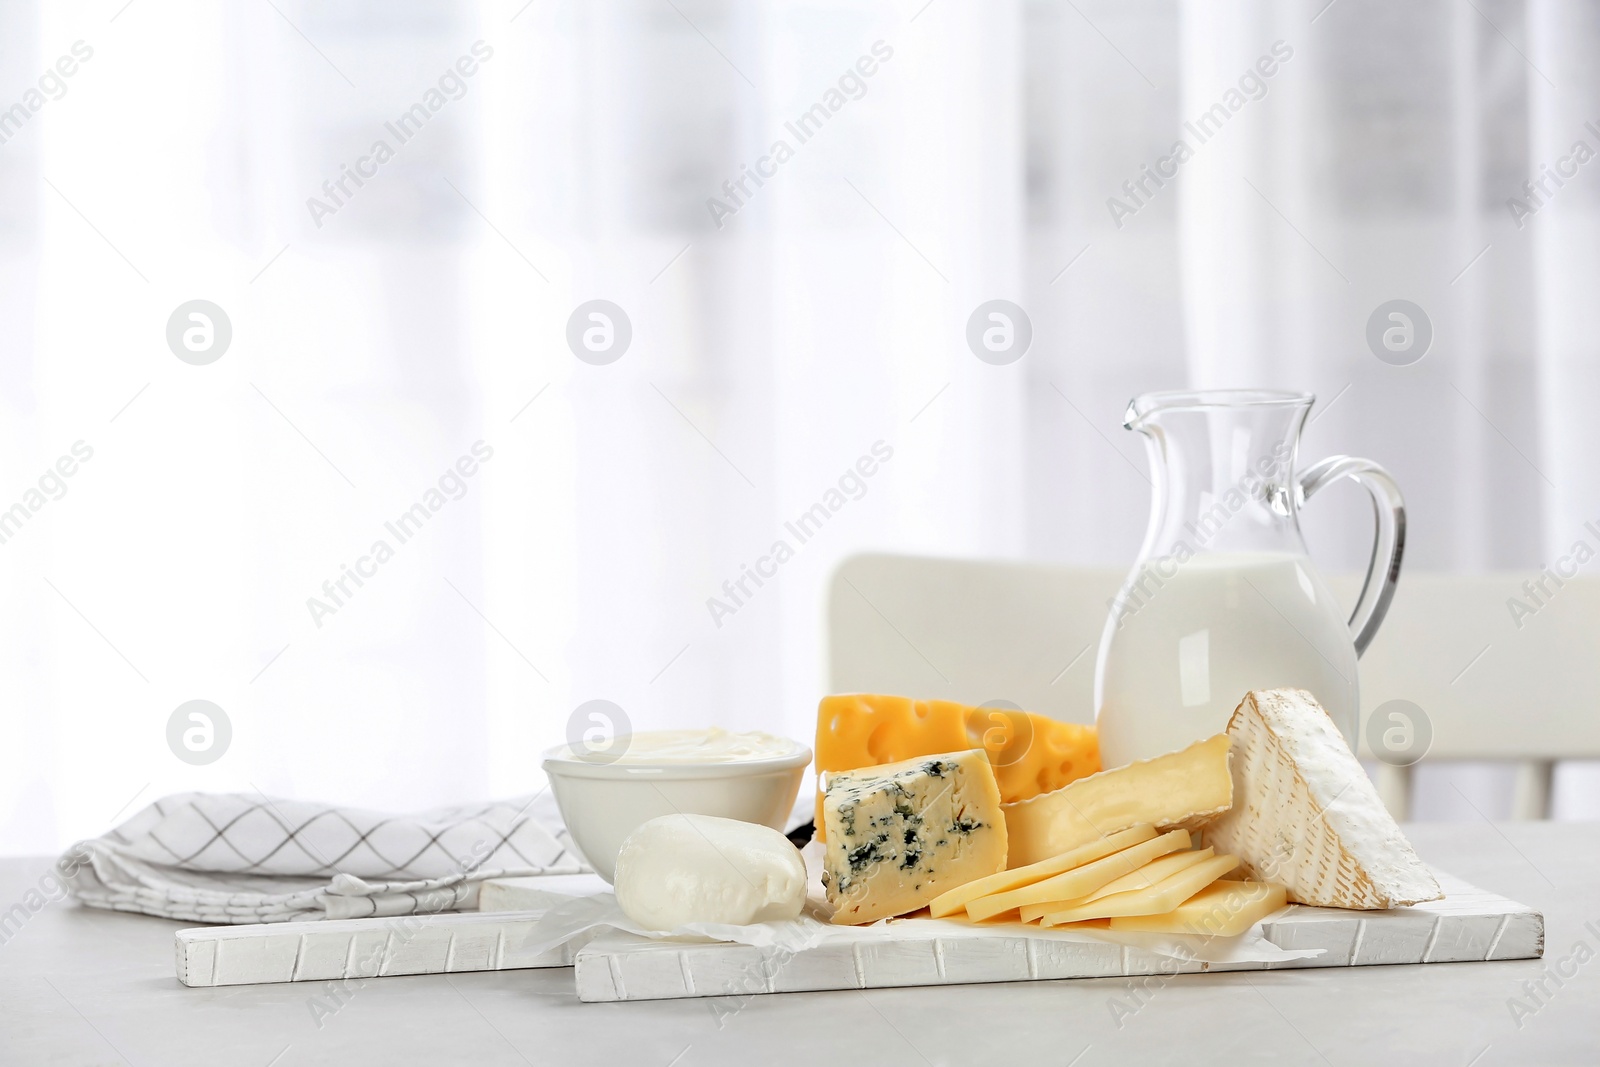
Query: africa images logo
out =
(852, 85)
(851, 486)
(1252, 86)
(451, 85)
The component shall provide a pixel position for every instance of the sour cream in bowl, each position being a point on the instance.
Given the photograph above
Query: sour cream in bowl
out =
(605, 793)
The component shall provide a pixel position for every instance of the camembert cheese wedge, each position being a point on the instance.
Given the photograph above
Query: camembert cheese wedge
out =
(898, 836)
(1189, 784)
(1306, 816)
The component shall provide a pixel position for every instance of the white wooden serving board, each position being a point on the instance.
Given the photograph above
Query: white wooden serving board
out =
(361, 948)
(1469, 925)
(319, 951)
(537, 892)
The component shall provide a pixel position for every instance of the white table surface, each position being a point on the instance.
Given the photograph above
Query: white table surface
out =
(86, 987)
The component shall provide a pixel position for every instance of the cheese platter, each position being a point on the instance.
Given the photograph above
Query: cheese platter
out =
(1264, 847)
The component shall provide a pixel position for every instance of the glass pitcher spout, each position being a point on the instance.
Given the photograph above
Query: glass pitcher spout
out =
(1221, 468)
(1223, 597)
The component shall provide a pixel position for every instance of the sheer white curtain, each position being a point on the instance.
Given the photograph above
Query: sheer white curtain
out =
(769, 355)
(1384, 164)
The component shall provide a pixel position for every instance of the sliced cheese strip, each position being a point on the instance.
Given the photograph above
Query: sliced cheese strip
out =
(1031, 753)
(1161, 897)
(1221, 909)
(1189, 784)
(1308, 818)
(1146, 876)
(1017, 877)
(1080, 881)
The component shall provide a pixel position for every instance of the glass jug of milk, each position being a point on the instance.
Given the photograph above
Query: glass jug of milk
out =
(1223, 598)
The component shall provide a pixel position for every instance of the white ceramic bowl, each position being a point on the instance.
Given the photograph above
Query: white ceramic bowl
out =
(602, 803)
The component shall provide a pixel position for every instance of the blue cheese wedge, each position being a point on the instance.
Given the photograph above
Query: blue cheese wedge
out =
(900, 834)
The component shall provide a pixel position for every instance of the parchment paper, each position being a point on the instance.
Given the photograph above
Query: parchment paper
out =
(583, 916)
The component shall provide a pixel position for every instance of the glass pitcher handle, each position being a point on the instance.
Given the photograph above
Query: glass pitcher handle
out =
(1389, 509)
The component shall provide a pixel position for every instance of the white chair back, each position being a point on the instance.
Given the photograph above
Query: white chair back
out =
(1027, 633)
(1491, 689)
(969, 630)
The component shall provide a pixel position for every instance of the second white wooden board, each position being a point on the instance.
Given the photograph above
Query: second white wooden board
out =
(338, 949)
(1468, 925)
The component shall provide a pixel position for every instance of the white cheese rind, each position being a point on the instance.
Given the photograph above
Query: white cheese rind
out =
(680, 869)
(901, 834)
(1306, 817)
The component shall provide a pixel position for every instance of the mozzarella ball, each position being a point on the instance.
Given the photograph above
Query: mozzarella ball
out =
(679, 869)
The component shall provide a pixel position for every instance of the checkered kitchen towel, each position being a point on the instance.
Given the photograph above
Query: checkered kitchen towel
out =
(246, 858)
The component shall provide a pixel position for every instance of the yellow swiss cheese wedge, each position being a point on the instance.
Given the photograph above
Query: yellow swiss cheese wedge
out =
(1164, 896)
(1146, 876)
(1031, 754)
(1221, 909)
(1192, 783)
(1080, 881)
(1017, 877)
